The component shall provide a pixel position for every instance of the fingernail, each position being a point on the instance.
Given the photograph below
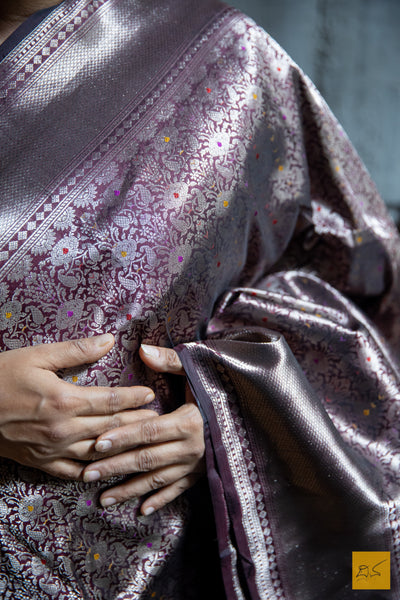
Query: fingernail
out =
(148, 511)
(151, 351)
(103, 340)
(105, 502)
(91, 476)
(150, 397)
(103, 446)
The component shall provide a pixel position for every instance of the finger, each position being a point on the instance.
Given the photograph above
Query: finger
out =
(63, 469)
(164, 360)
(180, 424)
(92, 400)
(62, 355)
(83, 450)
(142, 484)
(168, 494)
(141, 460)
(64, 433)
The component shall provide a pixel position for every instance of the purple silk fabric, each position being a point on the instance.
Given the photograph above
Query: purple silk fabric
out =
(170, 176)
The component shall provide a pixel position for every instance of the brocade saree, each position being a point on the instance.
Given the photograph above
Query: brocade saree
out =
(169, 175)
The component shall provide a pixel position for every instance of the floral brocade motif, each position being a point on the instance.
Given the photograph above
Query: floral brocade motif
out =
(140, 240)
(171, 217)
(57, 542)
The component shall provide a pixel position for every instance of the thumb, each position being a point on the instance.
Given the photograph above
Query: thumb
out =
(159, 359)
(62, 355)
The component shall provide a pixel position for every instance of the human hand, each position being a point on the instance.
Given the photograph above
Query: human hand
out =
(167, 451)
(50, 424)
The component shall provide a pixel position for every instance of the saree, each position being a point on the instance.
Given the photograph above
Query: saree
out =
(169, 175)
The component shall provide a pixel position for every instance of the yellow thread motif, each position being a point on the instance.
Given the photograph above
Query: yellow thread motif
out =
(8, 315)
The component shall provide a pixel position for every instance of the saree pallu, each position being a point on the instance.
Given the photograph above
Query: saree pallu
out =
(169, 175)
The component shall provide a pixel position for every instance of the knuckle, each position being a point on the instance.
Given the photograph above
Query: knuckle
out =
(195, 417)
(55, 433)
(80, 346)
(182, 485)
(197, 449)
(146, 460)
(114, 422)
(113, 470)
(41, 451)
(157, 481)
(60, 401)
(192, 422)
(114, 401)
(172, 358)
(150, 430)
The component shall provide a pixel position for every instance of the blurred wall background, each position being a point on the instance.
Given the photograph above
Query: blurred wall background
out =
(351, 51)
